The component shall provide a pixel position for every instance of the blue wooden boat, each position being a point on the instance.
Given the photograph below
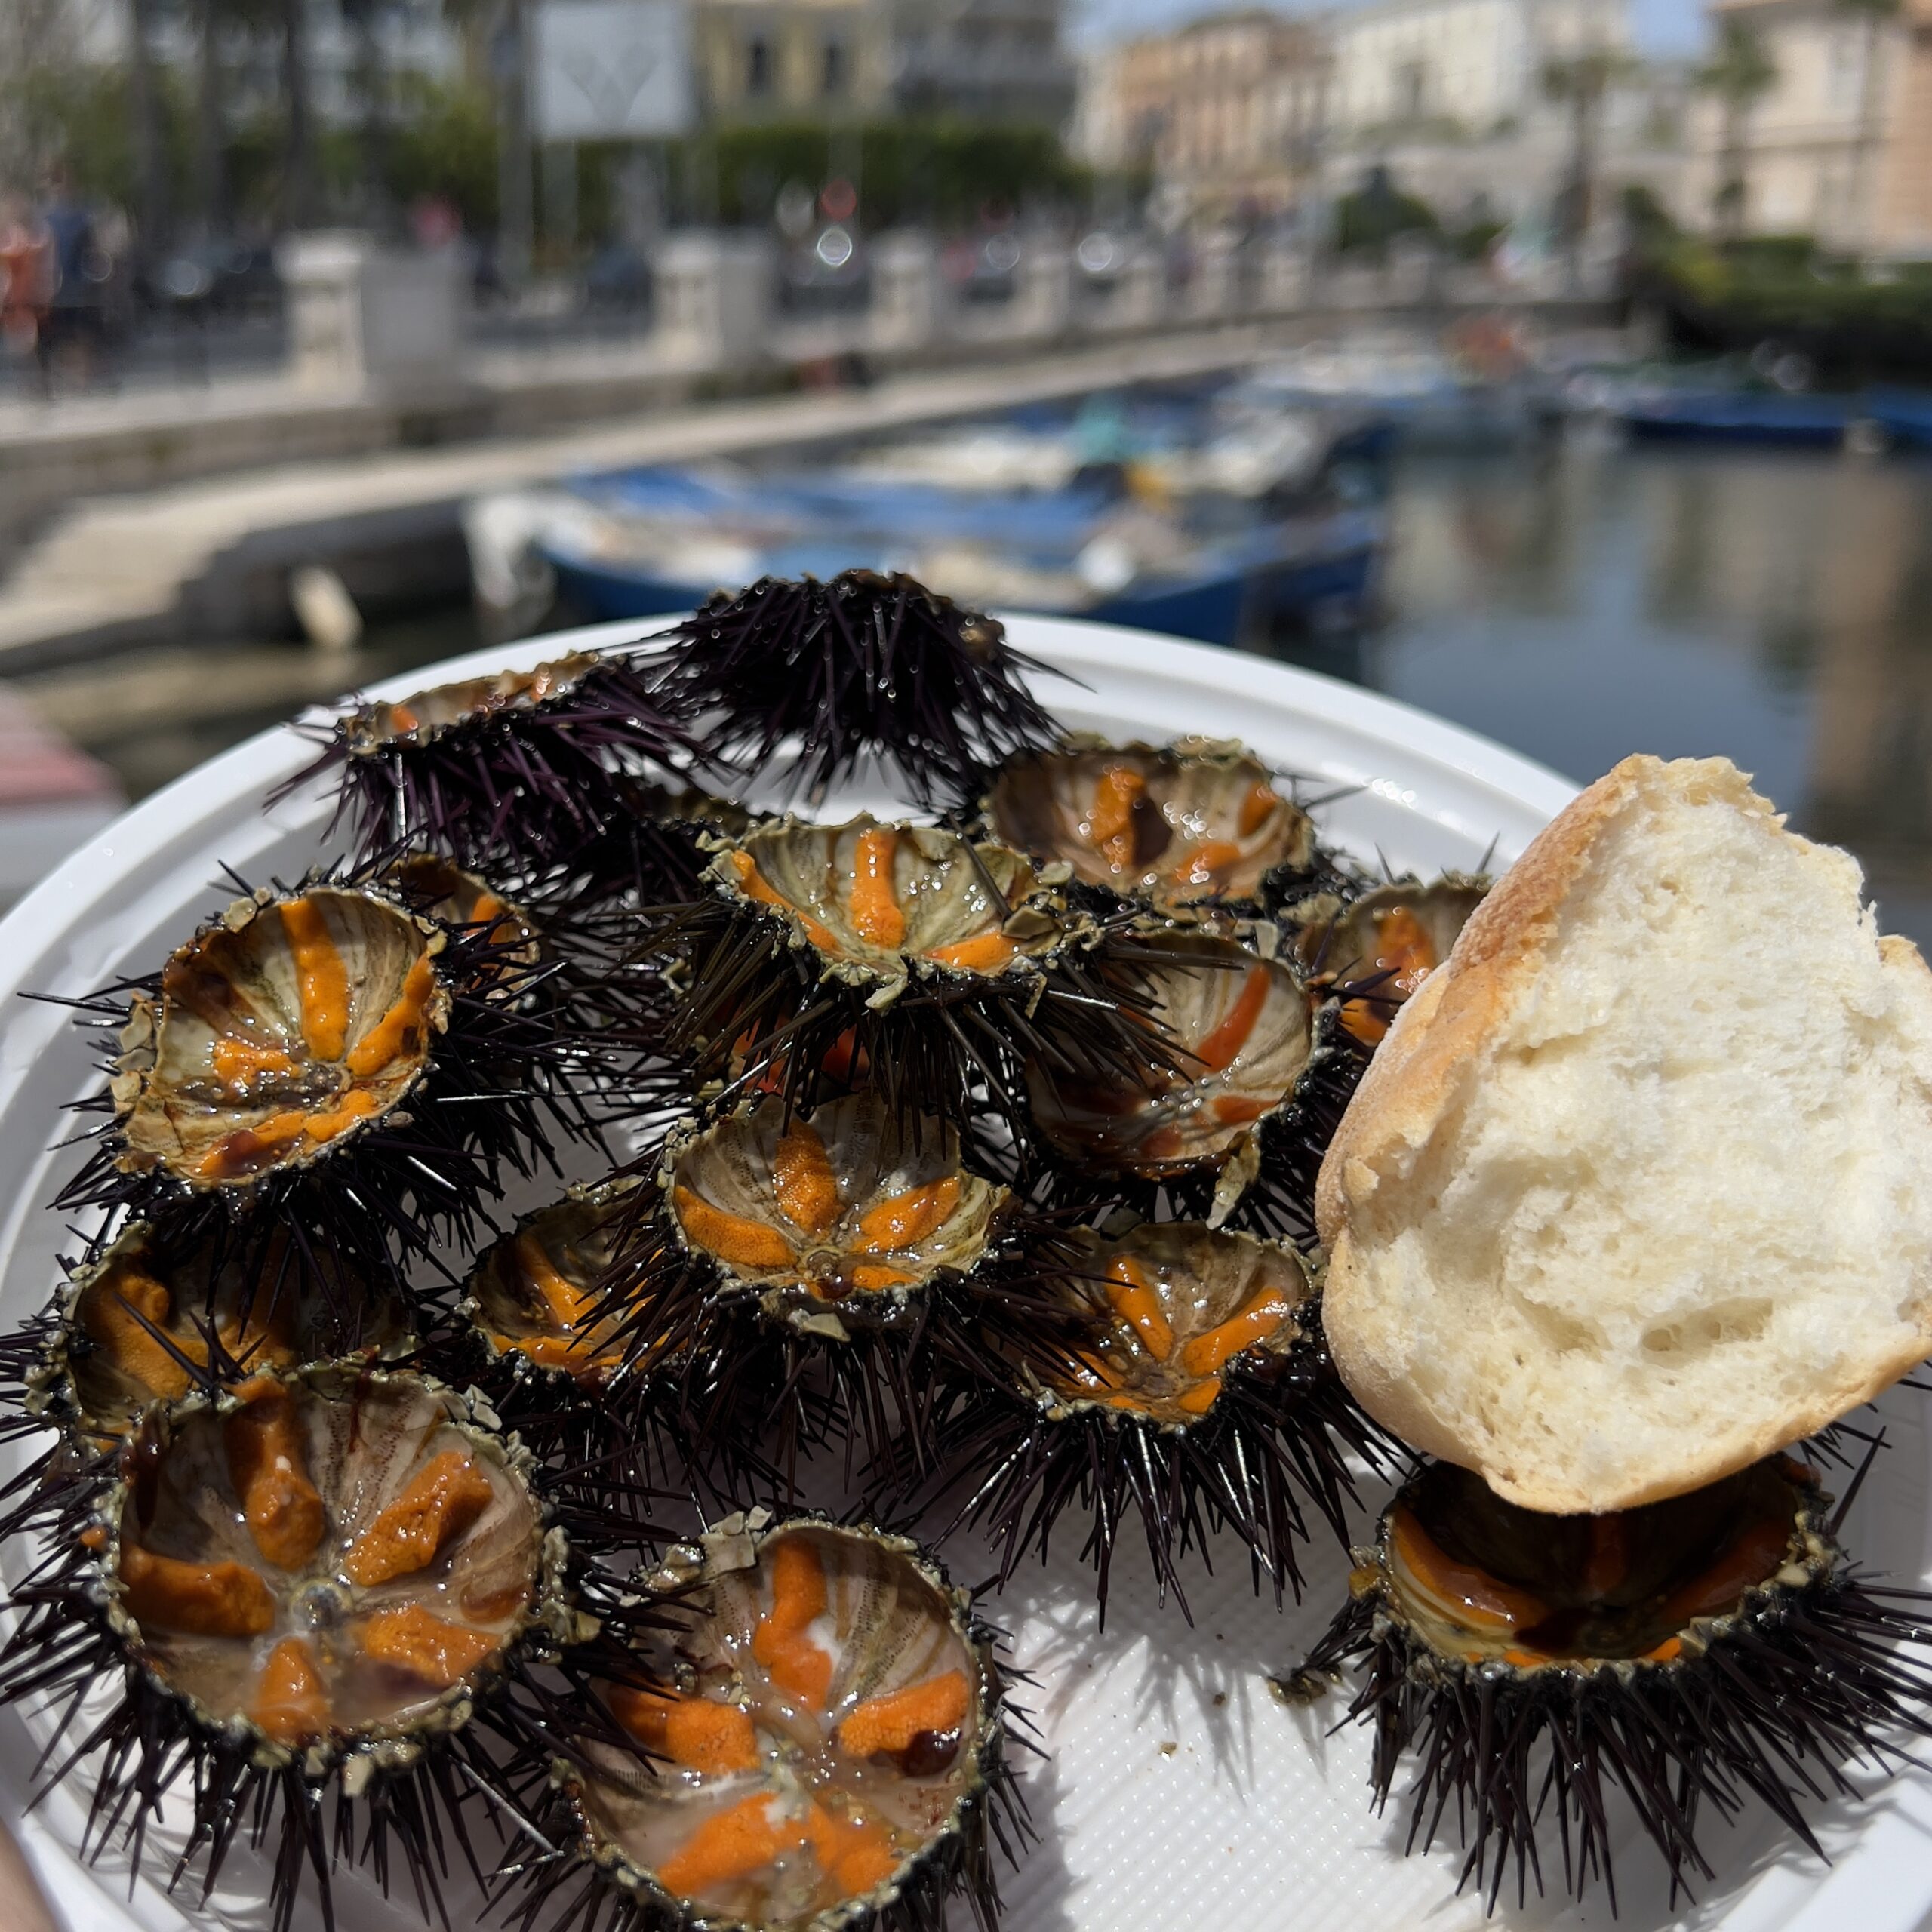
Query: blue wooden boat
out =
(1905, 415)
(646, 541)
(1737, 415)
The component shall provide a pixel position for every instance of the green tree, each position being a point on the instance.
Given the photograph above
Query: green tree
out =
(1581, 81)
(1875, 17)
(1739, 74)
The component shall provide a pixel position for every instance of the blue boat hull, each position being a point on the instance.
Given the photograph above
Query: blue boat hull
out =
(1794, 422)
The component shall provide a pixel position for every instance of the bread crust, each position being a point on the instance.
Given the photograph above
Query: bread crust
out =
(1413, 1083)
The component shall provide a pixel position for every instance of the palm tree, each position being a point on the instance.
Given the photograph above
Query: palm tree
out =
(1739, 74)
(1875, 15)
(1581, 81)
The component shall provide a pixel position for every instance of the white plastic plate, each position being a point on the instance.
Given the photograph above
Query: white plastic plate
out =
(1177, 1792)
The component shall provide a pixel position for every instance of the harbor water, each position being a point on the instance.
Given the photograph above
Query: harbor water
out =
(1576, 603)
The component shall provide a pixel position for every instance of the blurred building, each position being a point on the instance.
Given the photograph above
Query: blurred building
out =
(1230, 108)
(1454, 100)
(791, 59)
(1839, 146)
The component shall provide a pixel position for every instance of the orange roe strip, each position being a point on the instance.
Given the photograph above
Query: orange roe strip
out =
(402, 718)
(753, 884)
(856, 1854)
(1235, 1110)
(1256, 808)
(877, 916)
(108, 1318)
(1209, 1351)
(400, 1030)
(1110, 826)
(871, 1277)
(732, 1238)
(569, 1305)
(1220, 1049)
(444, 1497)
(1199, 1399)
(1134, 1298)
(409, 1637)
(728, 1845)
(1668, 1651)
(1482, 1601)
(1210, 856)
(197, 1599)
(987, 953)
(1405, 952)
(240, 1063)
(267, 1460)
(358, 1103)
(891, 1723)
(713, 1740)
(1758, 1551)
(802, 1179)
(907, 1218)
(249, 1148)
(322, 976)
(792, 1659)
(1163, 1144)
(291, 1702)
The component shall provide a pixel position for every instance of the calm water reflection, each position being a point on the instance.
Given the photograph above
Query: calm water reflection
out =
(1599, 600)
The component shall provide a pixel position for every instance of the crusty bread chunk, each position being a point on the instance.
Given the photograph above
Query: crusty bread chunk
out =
(1639, 1187)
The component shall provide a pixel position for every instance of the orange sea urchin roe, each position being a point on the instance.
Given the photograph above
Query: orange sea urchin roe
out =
(802, 1179)
(282, 1507)
(877, 916)
(891, 1723)
(1221, 1048)
(907, 1218)
(1479, 1600)
(728, 1845)
(321, 975)
(291, 1702)
(855, 1854)
(1207, 859)
(400, 1030)
(411, 1638)
(1133, 1297)
(781, 1642)
(1209, 1352)
(1256, 808)
(987, 952)
(714, 1740)
(1404, 951)
(1111, 826)
(568, 1305)
(240, 1064)
(733, 1237)
(111, 1319)
(198, 1599)
(753, 884)
(446, 1496)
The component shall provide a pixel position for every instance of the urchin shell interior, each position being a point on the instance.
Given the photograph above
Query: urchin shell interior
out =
(1171, 825)
(287, 1026)
(1394, 936)
(1241, 1031)
(850, 1206)
(831, 1717)
(330, 1559)
(535, 1292)
(884, 898)
(1476, 1579)
(1180, 1301)
(218, 1317)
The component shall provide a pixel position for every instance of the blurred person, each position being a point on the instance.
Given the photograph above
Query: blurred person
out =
(25, 276)
(70, 330)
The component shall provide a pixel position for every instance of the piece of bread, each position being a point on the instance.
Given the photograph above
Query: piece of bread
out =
(1639, 1187)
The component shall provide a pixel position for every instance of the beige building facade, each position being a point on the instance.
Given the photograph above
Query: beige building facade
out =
(1840, 146)
(1230, 108)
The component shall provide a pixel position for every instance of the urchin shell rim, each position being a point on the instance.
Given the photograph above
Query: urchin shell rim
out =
(549, 1612)
(686, 1564)
(366, 746)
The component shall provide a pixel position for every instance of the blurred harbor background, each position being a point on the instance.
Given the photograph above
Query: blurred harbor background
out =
(1562, 366)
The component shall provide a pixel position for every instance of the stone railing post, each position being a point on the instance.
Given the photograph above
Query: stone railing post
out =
(362, 318)
(712, 297)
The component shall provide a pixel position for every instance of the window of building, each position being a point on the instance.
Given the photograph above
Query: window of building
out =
(757, 66)
(834, 72)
